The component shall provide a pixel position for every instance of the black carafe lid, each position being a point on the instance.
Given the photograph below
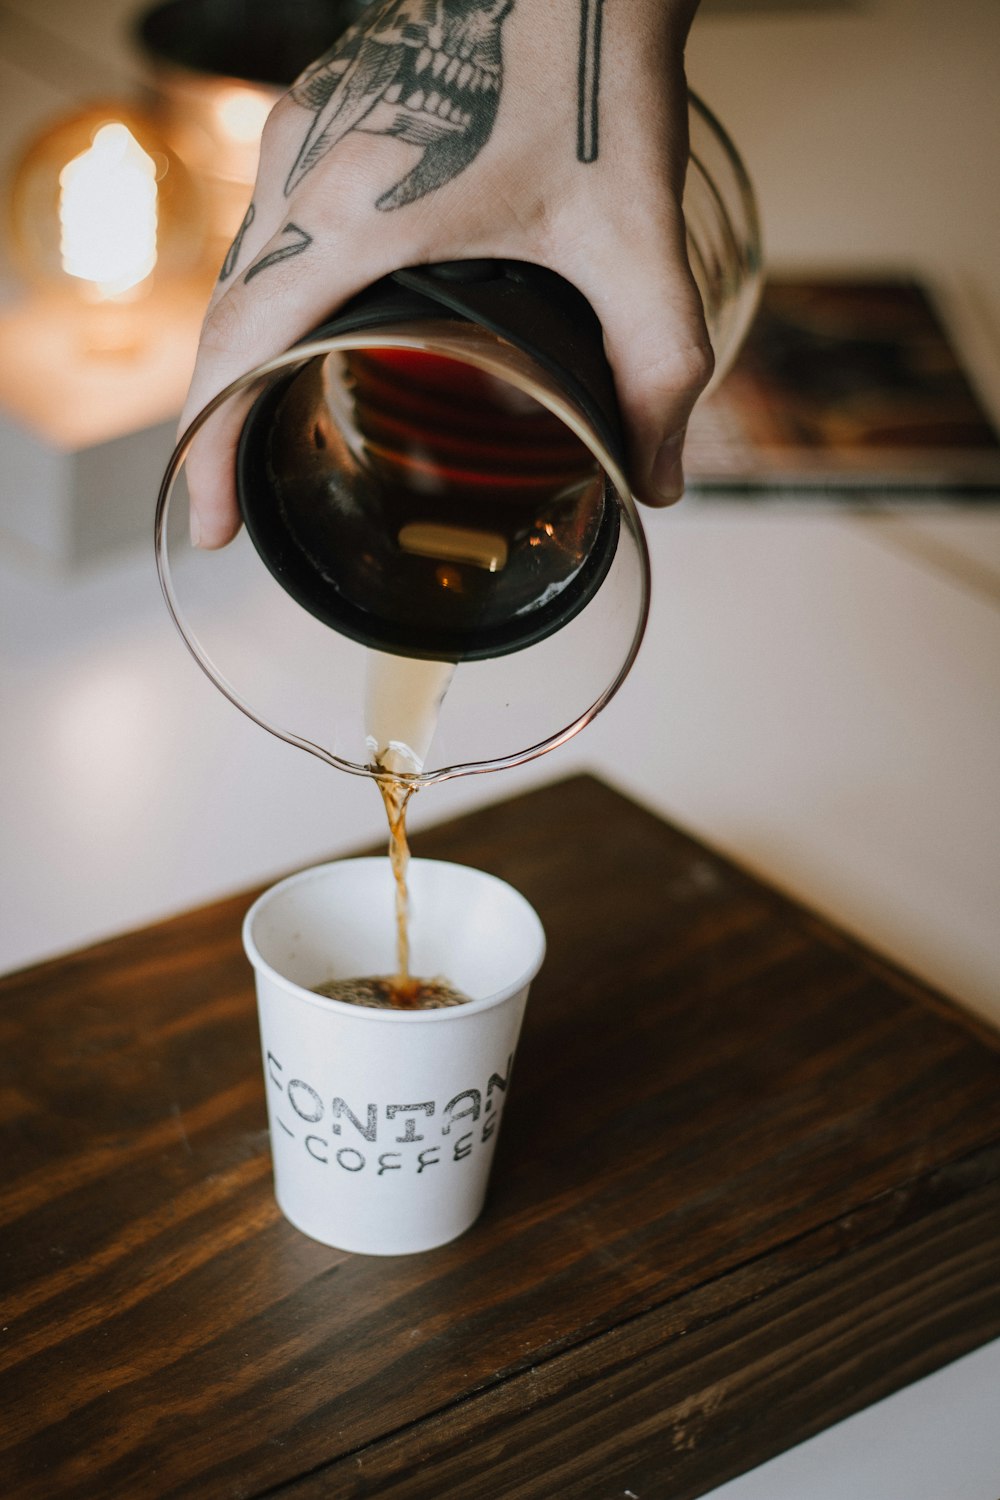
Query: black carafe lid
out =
(334, 545)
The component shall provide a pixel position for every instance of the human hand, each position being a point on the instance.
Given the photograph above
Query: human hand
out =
(474, 134)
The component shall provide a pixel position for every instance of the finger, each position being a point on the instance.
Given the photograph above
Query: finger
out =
(267, 209)
(210, 472)
(210, 462)
(295, 281)
(291, 264)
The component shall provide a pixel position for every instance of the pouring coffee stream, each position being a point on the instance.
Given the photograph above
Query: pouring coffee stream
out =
(429, 508)
(402, 701)
(442, 570)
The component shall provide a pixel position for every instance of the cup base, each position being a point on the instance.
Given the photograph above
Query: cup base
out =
(385, 1249)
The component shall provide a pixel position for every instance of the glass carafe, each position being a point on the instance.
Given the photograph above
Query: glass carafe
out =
(436, 509)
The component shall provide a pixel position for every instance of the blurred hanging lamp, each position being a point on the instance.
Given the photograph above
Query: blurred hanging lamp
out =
(102, 212)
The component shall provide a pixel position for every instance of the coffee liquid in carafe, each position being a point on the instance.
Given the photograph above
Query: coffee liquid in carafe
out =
(485, 499)
(423, 506)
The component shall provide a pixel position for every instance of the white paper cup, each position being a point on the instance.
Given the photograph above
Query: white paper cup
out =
(384, 1122)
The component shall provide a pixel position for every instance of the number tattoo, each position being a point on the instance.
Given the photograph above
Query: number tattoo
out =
(301, 242)
(233, 253)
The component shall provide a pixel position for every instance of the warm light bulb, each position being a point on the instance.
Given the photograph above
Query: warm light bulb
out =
(108, 212)
(242, 112)
(98, 200)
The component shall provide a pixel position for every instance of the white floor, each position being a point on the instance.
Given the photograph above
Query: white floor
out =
(819, 694)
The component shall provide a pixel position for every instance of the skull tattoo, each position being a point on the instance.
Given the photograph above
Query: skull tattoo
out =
(425, 71)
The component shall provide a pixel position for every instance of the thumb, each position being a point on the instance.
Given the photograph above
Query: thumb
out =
(658, 348)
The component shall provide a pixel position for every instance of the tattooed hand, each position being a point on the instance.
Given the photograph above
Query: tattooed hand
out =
(551, 131)
(433, 81)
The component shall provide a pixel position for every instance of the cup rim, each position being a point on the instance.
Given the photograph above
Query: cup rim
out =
(440, 1014)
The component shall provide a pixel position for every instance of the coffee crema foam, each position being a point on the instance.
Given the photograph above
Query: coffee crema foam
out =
(390, 992)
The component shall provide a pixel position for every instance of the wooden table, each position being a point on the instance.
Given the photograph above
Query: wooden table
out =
(748, 1182)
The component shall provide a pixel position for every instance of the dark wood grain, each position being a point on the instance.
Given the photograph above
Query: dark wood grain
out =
(749, 1180)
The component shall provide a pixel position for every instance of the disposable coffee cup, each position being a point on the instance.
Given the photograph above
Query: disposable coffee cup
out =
(384, 1122)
